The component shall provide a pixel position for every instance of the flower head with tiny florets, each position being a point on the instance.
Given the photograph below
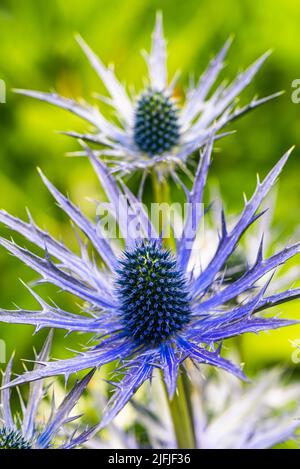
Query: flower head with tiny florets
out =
(153, 295)
(149, 307)
(154, 131)
(156, 125)
(13, 439)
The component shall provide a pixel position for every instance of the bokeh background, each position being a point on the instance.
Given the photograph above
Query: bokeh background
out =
(38, 51)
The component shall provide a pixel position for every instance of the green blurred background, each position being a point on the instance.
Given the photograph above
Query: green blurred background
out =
(38, 51)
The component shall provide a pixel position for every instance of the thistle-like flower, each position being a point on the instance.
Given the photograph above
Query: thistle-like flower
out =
(30, 432)
(149, 308)
(155, 131)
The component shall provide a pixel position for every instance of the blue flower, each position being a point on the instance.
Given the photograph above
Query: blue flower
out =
(153, 130)
(27, 432)
(147, 307)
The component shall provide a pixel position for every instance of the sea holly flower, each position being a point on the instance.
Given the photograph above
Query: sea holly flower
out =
(29, 431)
(154, 129)
(148, 307)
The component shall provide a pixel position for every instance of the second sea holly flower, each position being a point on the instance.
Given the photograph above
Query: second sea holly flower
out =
(155, 131)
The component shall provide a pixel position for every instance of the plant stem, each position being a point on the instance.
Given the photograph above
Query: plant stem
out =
(156, 188)
(181, 414)
(161, 195)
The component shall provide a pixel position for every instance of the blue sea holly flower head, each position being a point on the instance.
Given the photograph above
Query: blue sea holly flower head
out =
(147, 307)
(29, 431)
(154, 129)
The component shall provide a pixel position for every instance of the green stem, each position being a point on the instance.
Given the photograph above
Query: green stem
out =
(161, 194)
(181, 414)
(156, 188)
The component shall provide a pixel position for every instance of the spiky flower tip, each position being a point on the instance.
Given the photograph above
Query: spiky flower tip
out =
(156, 127)
(13, 439)
(153, 294)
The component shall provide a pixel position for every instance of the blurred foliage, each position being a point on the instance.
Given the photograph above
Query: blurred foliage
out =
(38, 51)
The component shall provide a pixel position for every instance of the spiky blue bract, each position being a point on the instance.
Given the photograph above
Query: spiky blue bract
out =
(25, 431)
(187, 324)
(151, 129)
